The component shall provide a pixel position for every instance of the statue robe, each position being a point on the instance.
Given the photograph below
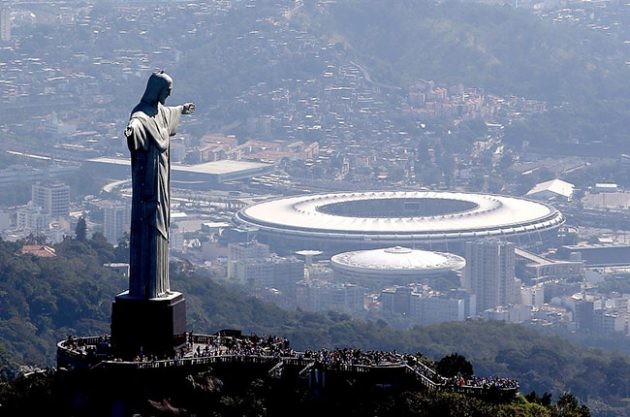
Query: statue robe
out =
(148, 139)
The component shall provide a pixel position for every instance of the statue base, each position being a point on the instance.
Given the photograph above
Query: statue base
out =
(155, 326)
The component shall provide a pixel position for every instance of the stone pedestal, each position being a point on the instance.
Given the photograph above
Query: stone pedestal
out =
(154, 327)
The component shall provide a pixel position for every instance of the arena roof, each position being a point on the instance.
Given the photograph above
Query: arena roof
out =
(397, 259)
(224, 166)
(219, 171)
(390, 215)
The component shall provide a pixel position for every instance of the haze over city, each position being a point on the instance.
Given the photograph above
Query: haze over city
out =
(418, 186)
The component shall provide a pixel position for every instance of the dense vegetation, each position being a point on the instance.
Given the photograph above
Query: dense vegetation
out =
(44, 299)
(209, 394)
(504, 50)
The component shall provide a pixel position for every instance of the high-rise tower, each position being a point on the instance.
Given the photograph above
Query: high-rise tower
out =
(5, 24)
(53, 198)
(489, 272)
(116, 218)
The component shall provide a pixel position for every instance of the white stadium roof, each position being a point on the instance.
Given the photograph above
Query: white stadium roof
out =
(470, 215)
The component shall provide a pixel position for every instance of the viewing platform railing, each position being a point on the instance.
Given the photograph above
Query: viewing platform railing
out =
(93, 353)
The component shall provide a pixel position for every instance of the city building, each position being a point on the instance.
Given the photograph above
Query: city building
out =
(192, 176)
(516, 313)
(116, 218)
(584, 314)
(32, 219)
(427, 309)
(598, 254)
(120, 268)
(605, 187)
(273, 272)
(552, 190)
(53, 198)
(536, 268)
(5, 24)
(489, 272)
(377, 268)
(607, 322)
(319, 271)
(533, 296)
(420, 304)
(244, 250)
(396, 299)
(318, 295)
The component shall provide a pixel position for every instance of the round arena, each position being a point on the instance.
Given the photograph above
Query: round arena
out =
(394, 266)
(335, 222)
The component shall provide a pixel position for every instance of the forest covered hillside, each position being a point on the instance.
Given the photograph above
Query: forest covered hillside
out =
(45, 299)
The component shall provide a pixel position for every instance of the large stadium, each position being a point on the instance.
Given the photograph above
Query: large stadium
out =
(336, 222)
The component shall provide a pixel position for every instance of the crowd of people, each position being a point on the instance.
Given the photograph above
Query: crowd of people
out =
(348, 357)
(485, 382)
(222, 345)
(343, 359)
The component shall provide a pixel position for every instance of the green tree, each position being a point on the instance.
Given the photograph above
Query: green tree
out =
(545, 399)
(453, 365)
(568, 406)
(121, 251)
(81, 230)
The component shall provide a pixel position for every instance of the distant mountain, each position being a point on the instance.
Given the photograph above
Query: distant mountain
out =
(581, 72)
(262, 63)
(499, 48)
(272, 69)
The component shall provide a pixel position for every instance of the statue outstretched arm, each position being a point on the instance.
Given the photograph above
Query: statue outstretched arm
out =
(188, 108)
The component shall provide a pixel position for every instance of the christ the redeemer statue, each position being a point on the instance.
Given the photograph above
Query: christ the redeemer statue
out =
(150, 318)
(148, 137)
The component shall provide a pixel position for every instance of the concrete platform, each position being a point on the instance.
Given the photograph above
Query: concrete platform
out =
(150, 327)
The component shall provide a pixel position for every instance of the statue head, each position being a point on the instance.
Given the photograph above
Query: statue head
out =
(159, 87)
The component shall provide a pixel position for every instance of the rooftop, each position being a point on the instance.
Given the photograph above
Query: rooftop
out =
(556, 186)
(400, 259)
(225, 166)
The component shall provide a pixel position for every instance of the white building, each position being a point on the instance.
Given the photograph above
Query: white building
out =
(424, 306)
(244, 250)
(513, 314)
(53, 198)
(116, 220)
(5, 24)
(533, 296)
(397, 266)
(432, 309)
(271, 272)
(605, 187)
(31, 219)
(554, 189)
(489, 272)
(316, 295)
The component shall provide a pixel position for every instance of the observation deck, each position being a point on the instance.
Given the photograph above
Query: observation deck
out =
(273, 356)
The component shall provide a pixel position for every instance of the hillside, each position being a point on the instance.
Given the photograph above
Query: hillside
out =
(283, 63)
(216, 394)
(506, 51)
(579, 72)
(501, 49)
(44, 300)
